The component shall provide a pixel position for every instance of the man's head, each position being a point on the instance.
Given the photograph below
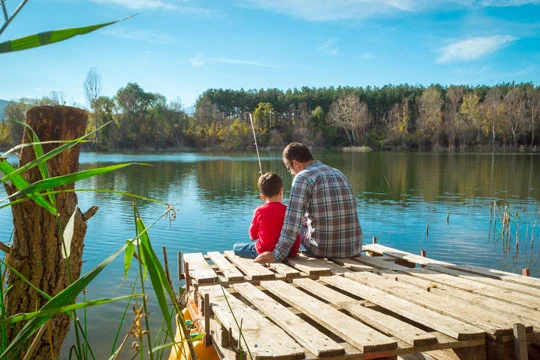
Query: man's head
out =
(270, 185)
(296, 157)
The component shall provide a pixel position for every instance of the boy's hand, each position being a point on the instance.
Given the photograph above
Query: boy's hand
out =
(265, 258)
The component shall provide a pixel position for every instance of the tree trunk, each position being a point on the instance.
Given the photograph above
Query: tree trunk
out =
(37, 246)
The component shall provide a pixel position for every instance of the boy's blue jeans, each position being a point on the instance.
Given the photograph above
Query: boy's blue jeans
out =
(245, 250)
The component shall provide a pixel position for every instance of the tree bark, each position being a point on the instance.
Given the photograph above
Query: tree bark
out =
(37, 244)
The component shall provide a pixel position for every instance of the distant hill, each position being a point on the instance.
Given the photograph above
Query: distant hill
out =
(3, 104)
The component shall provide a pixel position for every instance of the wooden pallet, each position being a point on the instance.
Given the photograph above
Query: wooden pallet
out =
(364, 308)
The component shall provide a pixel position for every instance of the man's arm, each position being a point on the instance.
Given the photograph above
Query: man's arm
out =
(265, 258)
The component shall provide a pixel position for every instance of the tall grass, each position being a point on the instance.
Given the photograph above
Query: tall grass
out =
(151, 274)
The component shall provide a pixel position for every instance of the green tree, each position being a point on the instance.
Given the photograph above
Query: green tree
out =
(430, 117)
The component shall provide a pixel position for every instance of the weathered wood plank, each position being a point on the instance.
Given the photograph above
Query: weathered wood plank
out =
(508, 286)
(525, 315)
(199, 269)
(446, 325)
(460, 283)
(315, 341)
(310, 266)
(284, 270)
(264, 339)
(382, 322)
(353, 265)
(252, 270)
(501, 275)
(492, 323)
(417, 259)
(230, 272)
(351, 330)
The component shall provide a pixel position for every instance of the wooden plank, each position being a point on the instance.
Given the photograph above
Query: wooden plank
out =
(252, 270)
(446, 325)
(520, 342)
(356, 333)
(308, 336)
(487, 280)
(382, 322)
(230, 272)
(460, 283)
(324, 292)
(501, 275)
(417, 259)
(199, 269)
(489, 321)
(526, 315)
(353, 264)
(284, 270)
(310, 266)
(263, 338)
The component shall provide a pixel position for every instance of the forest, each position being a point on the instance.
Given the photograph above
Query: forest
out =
(392, 117)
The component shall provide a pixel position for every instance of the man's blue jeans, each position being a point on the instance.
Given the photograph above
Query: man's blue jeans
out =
(245, 250)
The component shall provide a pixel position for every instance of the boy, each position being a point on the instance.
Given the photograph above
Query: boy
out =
(267, 220)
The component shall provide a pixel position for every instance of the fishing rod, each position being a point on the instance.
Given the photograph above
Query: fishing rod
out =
(256, 146)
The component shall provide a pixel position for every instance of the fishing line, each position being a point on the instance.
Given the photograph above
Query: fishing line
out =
(256, 146)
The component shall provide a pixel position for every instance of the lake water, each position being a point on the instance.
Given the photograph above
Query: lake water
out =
(399, 195)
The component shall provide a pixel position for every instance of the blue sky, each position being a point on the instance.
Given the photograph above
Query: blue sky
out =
(180, 48)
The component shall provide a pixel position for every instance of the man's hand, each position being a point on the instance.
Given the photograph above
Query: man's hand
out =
(265, 257)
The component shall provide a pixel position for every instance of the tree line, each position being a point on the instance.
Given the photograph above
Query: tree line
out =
(388, 117)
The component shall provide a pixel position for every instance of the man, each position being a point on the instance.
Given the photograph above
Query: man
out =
(322, 208)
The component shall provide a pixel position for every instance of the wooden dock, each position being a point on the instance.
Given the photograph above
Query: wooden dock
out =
(386, 304)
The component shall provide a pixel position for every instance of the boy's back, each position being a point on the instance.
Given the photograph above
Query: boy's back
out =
(266, 227)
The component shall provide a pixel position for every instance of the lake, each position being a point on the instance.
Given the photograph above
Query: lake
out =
(439, 202)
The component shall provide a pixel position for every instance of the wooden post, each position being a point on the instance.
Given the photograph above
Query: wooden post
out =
(423, 254)
(186, 275)
(180, 267)
(207, 339)
(520, 342)
(526, 272)
(37, 241)
(374, 240)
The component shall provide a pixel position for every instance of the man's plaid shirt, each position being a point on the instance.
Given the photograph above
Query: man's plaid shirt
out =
(323, 194)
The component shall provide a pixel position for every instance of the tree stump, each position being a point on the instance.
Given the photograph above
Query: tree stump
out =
(37, 244)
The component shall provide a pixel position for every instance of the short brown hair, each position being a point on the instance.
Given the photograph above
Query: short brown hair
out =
(297, 151)
(270, 184)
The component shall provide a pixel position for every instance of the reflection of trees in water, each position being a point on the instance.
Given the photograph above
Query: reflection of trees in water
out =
(439, 176)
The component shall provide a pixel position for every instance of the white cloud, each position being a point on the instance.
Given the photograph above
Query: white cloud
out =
(505, 3)
(473, 48)
(332, 10)
(157, 5)
(328, 47)
(154, 37)
(200, 61)
(139, 4)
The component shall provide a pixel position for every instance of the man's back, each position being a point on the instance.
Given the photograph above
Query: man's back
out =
(333, 226)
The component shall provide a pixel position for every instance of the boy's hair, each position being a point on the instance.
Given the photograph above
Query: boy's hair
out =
(270, 184)
(297, 151)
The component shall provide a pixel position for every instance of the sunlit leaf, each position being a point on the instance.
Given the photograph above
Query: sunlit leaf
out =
(63, 309)
(128, 257)
(47, 184)
(50, 37)
(22, 183)
(68, 235)
(157, 275)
